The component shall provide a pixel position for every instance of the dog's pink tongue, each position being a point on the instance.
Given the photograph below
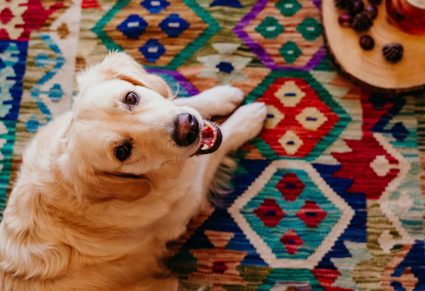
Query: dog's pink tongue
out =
(208, 134)
(211, 138)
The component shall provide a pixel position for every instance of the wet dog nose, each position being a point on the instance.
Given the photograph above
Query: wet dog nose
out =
(186, 129)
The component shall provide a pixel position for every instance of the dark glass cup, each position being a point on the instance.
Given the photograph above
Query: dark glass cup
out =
(408, 15)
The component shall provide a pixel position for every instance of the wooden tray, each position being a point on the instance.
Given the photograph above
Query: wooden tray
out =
(370, 67)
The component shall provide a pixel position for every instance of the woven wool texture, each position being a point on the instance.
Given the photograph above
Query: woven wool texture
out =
(329, 195)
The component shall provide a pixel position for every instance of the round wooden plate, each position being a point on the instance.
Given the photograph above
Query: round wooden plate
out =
(370, 67)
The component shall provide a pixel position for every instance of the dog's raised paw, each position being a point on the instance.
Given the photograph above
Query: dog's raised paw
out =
(244, 124)
(222, 100)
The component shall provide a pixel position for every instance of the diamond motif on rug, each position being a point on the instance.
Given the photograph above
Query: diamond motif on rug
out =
(154, 34)
(312, 120)
(173, 25)
(311, 214)
(133, 26)
(291, 213)
(288, 7)
(292, 241)
(270, 28)
(155, 6)
(290, 142)
(289, 94)
(290, 186)
(284, 33)
(310, 29)
(290, 51)
(274, 117)
(269, 212)
(152, 50)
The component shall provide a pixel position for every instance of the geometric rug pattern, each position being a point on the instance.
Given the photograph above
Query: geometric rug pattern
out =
(329, 196)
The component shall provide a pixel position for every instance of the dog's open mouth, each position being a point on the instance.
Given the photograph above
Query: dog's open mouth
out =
(211, 138)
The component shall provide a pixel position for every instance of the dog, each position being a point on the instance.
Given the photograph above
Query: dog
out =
(104, 187)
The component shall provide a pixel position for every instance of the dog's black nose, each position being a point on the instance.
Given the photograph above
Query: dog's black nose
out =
(186, 129)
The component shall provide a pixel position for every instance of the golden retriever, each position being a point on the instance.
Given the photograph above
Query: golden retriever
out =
(104, 187)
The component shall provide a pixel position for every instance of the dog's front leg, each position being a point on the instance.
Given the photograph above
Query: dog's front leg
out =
(243, 125)
(219, 100)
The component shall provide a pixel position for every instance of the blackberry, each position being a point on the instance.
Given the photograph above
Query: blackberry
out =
(356, 7)
(361, 22)
(393, 52)
(372, 11)
(367, 42)
(345, 19)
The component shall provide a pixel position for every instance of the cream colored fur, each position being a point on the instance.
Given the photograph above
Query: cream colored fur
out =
(72, 223)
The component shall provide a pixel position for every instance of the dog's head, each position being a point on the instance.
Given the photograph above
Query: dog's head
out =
(124, 122)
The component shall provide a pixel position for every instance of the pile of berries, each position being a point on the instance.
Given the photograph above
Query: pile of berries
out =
(360, 17)
(356, 14)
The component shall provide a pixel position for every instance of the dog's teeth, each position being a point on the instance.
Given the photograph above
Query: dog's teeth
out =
(204, 147)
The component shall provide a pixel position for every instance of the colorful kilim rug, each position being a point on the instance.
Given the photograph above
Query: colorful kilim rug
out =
(328, 197)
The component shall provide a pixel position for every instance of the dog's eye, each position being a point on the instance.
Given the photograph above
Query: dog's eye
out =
(131, 98)
(123, 151)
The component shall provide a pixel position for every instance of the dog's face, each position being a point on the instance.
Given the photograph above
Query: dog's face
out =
(124, 124)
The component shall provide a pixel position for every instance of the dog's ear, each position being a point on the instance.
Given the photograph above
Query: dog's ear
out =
(101, 186)
(115, 186)
(119, 65)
